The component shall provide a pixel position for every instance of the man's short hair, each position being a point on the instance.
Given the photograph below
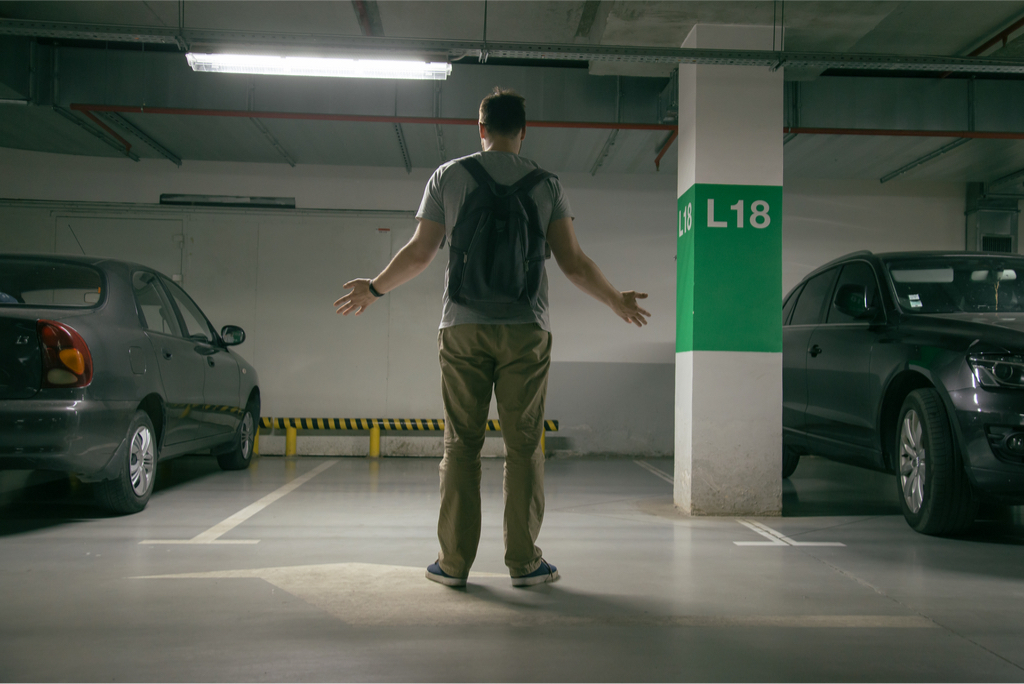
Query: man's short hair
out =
(503, 112)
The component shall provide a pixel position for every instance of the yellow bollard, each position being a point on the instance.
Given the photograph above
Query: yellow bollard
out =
(542, 450)
(290, 437)
(256, 443)
(375, 441)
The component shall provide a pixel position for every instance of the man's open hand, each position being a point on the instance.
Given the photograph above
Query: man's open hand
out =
(358, 300)
(628, 310)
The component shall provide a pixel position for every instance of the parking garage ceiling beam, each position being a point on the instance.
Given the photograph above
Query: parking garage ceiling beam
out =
(134, 130)
(121, 146)
(1005, 183)
(278, 147)
(948, 147)
(369, 46)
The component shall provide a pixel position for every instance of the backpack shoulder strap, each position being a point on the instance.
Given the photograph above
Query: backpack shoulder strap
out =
(479, 173)
(527, 182)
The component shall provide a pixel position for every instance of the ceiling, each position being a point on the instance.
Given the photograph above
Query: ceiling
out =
(110, 79)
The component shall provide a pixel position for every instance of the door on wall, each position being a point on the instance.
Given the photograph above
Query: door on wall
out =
(155, 243)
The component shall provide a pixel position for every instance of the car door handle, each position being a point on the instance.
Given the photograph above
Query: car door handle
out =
(814, 351)
(167, 355)
(209, 361)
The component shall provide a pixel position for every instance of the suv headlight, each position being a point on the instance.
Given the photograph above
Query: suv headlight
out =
(998, 370)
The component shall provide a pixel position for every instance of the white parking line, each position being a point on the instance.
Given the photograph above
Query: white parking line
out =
(775, 538)
(212, 535)
(656, 471)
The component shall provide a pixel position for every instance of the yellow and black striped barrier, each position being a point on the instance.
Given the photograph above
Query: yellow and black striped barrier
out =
(291, 426)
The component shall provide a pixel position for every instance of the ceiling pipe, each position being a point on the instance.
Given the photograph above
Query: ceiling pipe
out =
(664, 149)
(599, 125)
(1001, 37)
(985, 135)
(369, 46)
(89, 109)
(92, 131)
(119, 120)
(397, 121)
(359, 118)
(111, 131)
(368, 15)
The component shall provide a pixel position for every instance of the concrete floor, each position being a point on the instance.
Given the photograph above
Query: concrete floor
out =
(333, 590)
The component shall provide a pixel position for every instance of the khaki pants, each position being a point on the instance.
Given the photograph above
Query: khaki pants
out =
(514, 360)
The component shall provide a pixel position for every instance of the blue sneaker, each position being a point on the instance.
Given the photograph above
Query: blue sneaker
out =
(545, 573)
(436, 574)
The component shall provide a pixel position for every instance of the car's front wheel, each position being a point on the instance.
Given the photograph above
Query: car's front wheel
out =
(129, 492)
(237, 455)
(935, 494)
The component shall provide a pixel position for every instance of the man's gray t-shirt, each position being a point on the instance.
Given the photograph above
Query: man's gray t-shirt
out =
(444, 196)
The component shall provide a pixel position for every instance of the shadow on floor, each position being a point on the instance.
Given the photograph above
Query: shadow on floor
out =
(820, 487)
(34, 500)
(824, 488)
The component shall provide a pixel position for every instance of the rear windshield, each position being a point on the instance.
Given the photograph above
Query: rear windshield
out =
(43, 283)
(959, 284)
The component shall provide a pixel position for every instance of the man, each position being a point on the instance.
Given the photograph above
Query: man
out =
(509, 352)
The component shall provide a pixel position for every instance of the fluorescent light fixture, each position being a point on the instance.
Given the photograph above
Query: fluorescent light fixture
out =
(319, 66)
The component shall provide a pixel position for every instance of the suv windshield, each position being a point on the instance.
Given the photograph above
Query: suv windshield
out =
(39, 282)
(959, 284)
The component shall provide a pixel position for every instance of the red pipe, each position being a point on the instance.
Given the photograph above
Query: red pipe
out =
(664, 149)
(1001, 36)
(359, 118)
(988, 135)
(108, 129)
(364, 17)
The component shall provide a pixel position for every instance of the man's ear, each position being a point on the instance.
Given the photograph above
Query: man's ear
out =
(522, 133)
(483, 131)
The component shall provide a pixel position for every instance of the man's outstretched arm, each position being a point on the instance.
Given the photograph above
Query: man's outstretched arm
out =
(410, 261)
(585, 274)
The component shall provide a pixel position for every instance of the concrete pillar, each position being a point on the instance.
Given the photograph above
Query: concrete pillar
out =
(728, 412)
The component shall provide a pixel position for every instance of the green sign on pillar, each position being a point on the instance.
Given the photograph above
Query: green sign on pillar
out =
(730, 269)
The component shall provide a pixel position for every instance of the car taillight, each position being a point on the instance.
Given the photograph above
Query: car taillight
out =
(66, 358)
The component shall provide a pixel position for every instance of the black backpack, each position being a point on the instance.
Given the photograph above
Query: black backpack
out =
(498, 247)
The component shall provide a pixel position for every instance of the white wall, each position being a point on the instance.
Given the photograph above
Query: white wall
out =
(825, 219)
(277, 272)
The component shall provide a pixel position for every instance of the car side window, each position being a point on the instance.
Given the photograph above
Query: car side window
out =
(856, 273)
(789, 304)
(196, 327)
(155, 311)
(812, 298)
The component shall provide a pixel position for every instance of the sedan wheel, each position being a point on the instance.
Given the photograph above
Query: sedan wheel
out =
(935, 494)
(129, 492)
(141, 461)
(237, 454)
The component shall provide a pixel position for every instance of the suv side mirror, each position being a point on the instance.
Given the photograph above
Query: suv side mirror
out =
(852, 300)
(232, 335)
